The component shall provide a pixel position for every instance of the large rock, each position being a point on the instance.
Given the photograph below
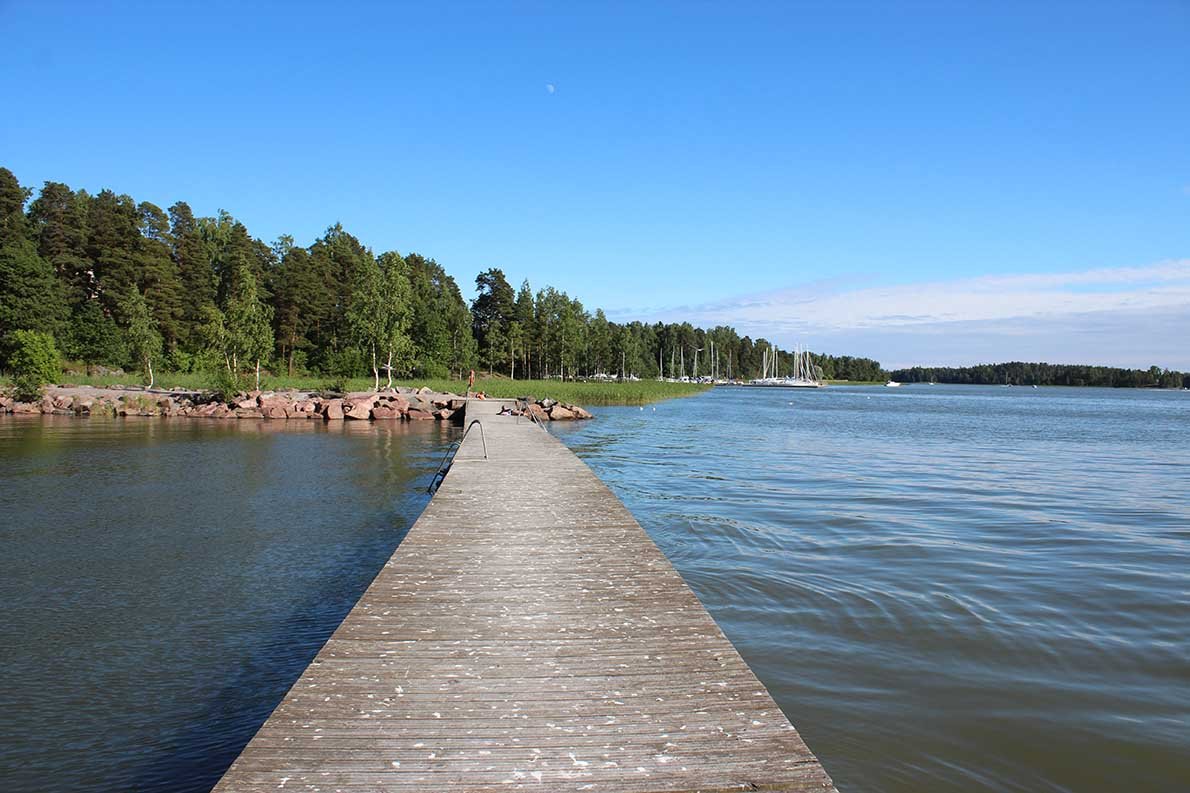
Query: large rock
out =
(559, 413)
(395, 401)
(457, 403)
(359, 407)
(383, 412)
(25, 407)
(443, 414)
(538, 411)
(275, 407)
(249, 413)
(332, 409)
(304, 408)
(579, 413)
(5, 403)
(417, 414)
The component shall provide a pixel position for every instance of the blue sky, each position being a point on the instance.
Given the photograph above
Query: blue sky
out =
(840, 174)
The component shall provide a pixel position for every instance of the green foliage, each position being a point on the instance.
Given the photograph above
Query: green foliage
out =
(347, 363)
(59, 220)
(34, 361)
(248, 320)
(492, 313)
(30, 295)
(14, 226)
(144, 341)
(226, 383)
(93, 336)
(217, 296)
(195, 274)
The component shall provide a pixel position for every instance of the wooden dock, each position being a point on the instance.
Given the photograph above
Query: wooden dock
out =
(526, 634)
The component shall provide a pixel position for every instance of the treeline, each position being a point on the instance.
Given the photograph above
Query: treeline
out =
(125, 283)
(1019, 373)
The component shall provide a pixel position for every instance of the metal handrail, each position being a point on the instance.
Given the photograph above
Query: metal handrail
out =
(482, 437)
(532, 416)
(448, 459)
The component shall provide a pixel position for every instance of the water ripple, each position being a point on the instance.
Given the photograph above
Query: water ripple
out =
(947, 588)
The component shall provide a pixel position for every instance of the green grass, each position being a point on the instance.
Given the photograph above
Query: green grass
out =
(638, 393)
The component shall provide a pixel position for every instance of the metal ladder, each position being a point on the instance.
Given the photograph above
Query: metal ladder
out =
(449, 458)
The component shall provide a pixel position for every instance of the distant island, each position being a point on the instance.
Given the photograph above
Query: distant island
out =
(1019, 373)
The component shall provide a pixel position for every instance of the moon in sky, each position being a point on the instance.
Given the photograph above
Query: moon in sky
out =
(550, 88)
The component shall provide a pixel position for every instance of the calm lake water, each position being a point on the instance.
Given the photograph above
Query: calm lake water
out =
(946, 588)
(165, 581)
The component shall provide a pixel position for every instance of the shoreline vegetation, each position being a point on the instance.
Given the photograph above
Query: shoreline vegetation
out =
(587, 393)
(122, 283)
(1027, 374)
(115, 283)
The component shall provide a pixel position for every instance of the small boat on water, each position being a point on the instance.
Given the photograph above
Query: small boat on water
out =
(892, 384)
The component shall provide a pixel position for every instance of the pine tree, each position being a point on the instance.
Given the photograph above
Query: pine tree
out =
(195, 273)
(157, 273)
(30, 295)
(59, 219)
(300, 303)
(113, 240)
(491, 313)
(525, 318)
(14, 226)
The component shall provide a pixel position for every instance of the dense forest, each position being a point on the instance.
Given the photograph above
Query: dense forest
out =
(125, 283)
(1018, 373)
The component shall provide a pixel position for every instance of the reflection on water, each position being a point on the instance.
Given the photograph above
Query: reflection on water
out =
(946, 588)
(166, 581)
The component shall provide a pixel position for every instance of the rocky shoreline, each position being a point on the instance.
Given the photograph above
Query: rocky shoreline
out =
(395, 404)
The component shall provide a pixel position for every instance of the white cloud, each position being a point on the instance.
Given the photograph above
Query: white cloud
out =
(1133, 316)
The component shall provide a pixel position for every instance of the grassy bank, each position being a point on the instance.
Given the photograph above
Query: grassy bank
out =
(638, 393)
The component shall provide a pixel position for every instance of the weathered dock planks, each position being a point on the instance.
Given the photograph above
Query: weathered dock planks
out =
(526, 634)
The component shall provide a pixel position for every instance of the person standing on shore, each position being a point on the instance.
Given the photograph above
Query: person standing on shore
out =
(471, 381)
